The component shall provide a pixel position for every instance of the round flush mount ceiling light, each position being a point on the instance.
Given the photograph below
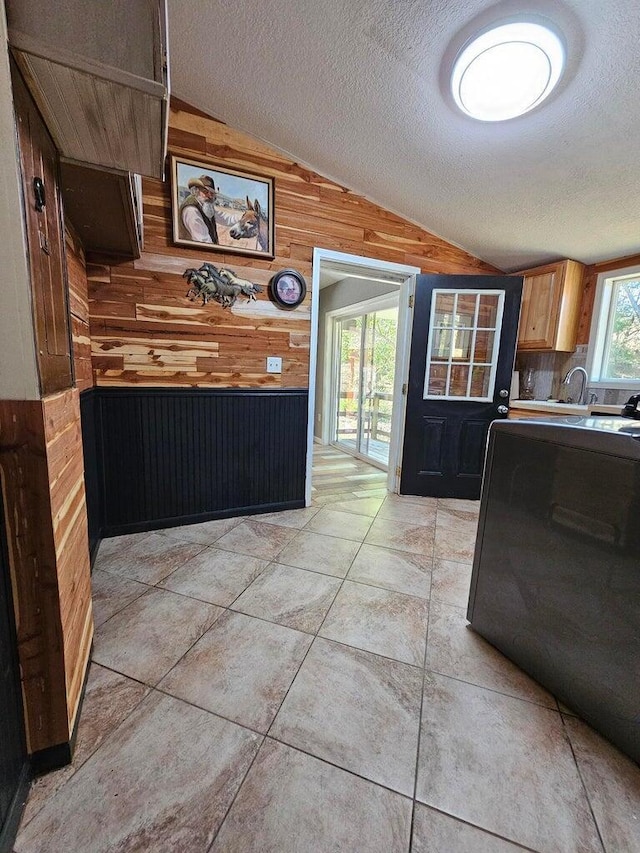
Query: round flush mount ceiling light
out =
(507, 71)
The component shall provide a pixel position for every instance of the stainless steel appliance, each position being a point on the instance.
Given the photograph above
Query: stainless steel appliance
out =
(556, 573)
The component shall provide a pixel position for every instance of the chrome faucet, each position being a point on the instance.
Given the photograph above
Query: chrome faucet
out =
(582, 399)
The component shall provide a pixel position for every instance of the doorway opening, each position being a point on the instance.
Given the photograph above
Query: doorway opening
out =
(356, 377)
(362, 377)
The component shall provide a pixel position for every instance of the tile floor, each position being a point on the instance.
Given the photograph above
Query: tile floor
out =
(305, 682)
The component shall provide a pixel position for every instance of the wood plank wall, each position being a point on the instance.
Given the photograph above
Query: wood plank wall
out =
(78, 308)
(68, 510)
(25, 485)
(43, 490)
(144, 331)
(590, 281)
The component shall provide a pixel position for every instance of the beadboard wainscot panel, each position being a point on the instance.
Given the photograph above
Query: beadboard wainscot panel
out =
(175, 456)
(146, 332)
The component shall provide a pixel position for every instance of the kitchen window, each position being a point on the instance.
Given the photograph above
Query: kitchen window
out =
(614, 349)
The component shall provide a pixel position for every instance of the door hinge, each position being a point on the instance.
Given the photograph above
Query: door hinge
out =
(398, 470)
(411, 301)
(404, 389)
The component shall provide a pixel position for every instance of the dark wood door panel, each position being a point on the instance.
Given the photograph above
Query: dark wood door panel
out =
(39, 162)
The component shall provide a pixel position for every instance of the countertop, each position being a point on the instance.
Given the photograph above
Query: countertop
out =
(556, 408)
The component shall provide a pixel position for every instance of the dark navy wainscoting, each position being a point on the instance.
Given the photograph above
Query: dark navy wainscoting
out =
(92, 452)
(164, 457)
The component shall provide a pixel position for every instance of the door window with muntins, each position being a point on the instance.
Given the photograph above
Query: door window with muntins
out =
(464, 339)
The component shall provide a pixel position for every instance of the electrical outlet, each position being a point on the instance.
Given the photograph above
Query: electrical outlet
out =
(274, 364)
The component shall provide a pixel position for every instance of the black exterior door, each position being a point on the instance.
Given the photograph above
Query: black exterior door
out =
(462, 352)
(13, 753)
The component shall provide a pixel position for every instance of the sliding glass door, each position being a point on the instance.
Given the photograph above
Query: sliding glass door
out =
(365, 364)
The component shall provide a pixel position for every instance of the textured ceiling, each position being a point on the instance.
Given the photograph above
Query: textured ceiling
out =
(356, 91)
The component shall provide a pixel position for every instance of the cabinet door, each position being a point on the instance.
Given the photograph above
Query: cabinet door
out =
(551, 299)
(39, 163)
(541, 295)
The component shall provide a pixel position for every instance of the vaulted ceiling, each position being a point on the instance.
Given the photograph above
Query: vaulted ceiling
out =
(358, 91)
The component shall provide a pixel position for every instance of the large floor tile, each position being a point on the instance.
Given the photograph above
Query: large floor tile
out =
(119, 544)
(455, 534)
(450, 582)
(150, 635)
(357, 710)
(320, 553)
(390, 533)
(459, 506)
(296, 518)
(148, 559)
(111, 593)
(454, 649)
(241, 669)
(398, 508)
(504, 765)
(215, 576)
(613, 786)
(291, 802)
(206, 532)
(370, 492)
(379, 620)
(368, 505)
(293, 597)
(108, 699)
(163, 782)
(396, 570)
(256, 538)
(434, 832)
(345, 525)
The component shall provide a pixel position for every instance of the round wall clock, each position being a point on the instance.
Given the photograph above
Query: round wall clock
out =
(287, 288)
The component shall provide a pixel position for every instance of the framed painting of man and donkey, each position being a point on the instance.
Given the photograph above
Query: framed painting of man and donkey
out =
(218, 208)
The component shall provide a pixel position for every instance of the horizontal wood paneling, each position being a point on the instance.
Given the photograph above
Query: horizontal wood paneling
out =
(172, 456)
(43, 492)
(31, 546)
(129, 302)
(63, 442)
(78, 308)
(590, 281)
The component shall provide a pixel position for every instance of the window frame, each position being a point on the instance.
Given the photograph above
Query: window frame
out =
(492, 364)
(600, 327)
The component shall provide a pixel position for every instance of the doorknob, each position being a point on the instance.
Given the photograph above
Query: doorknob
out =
(503, 410)
(38, 193)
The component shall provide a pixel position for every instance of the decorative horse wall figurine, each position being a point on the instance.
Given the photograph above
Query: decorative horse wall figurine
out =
(253, 223)
(222, 285)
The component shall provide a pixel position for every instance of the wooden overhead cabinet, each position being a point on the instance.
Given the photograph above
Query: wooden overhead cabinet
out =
(99, 75)
(551, 298)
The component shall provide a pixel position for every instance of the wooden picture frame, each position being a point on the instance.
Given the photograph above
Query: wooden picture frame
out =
(288, 289)
(221, 209)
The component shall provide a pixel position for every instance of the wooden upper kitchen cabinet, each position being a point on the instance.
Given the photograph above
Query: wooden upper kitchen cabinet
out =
(551, 298)
(99, 75)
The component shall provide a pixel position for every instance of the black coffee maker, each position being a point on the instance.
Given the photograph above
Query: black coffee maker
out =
(632, 407)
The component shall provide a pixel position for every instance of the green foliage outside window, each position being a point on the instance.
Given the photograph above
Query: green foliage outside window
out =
(622, 358)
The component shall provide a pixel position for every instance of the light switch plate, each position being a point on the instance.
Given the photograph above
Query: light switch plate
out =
(274, 364)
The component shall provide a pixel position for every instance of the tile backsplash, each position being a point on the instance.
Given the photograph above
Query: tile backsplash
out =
(551, 368)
